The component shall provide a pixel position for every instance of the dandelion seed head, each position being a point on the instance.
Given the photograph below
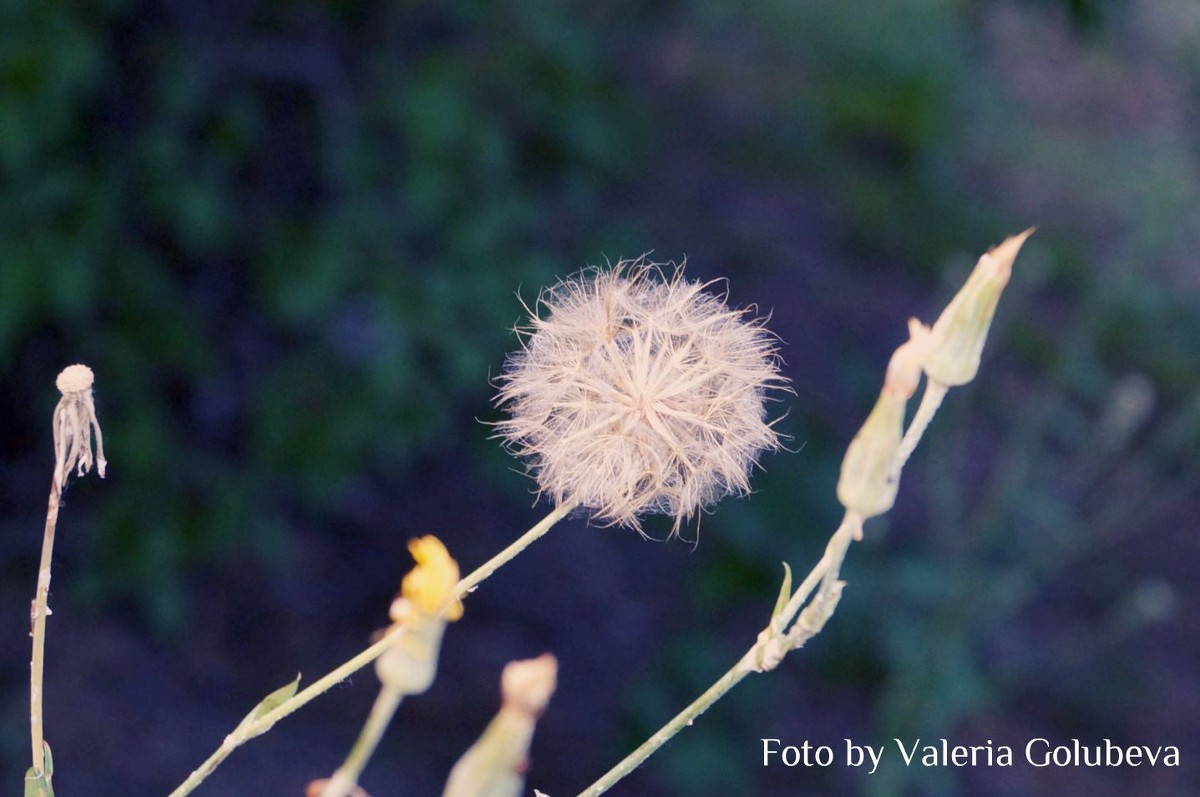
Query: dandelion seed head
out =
(639, 393)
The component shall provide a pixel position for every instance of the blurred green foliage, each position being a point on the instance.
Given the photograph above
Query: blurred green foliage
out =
(286, 237)
(291, 260)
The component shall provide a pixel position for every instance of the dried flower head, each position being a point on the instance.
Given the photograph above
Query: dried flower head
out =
(74, 423)
(636, 393)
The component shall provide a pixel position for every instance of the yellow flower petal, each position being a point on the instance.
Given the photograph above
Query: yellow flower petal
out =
(430, 586)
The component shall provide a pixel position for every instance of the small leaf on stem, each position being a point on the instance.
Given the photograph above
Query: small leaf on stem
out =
(785, 592)
(265, 706)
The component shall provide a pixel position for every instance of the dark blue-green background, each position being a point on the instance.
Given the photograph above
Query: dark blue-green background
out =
(287, 236)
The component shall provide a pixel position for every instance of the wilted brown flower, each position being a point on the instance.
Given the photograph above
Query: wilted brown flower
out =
(74, 424)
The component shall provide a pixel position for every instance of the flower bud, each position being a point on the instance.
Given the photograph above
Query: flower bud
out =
(317, 787)
(410, 665)
(904, 369)
(961, 330)
(495, 765)
(867, 485)
(527, 685)
(426, 602)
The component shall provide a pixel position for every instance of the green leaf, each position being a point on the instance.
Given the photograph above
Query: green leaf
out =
(265, 706)
(37, 784)
(785, 591)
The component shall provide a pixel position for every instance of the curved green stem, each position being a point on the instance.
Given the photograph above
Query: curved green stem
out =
(828, 568)
(346, 778)
(931, 399)
(776, 638)
(263, 723)
(681, 720)
(475, 577)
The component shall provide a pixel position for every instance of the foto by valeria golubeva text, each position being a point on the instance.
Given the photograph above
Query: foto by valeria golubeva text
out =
(1037, 752)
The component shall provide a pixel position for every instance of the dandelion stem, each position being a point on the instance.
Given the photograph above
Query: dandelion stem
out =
(40, 610)
(297, 701)
(473, 579)
(825, 572)
(681, 720)
(827, 569)
(931, 399)
(204, 770)
(346, 778)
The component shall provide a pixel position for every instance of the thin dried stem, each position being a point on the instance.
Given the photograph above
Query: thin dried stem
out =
(74, 423)
(38, 617)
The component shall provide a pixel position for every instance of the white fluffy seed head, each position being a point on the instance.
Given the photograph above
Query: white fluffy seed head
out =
(636, 393)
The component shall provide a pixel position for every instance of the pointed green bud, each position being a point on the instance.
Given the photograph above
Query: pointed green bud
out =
(961, 330)
(904, 369)
(867, 485)
(425, 604)
(495, 765)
